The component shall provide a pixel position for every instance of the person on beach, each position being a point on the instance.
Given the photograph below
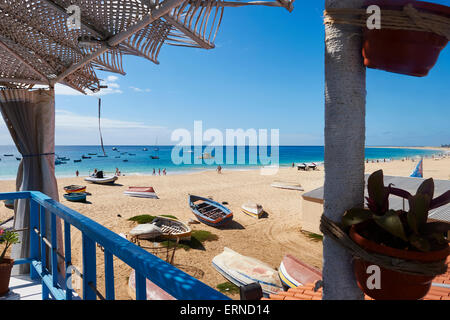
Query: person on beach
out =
(77, 173)
(164, 171)
(154, 173)
(219, 169)
(159, 171)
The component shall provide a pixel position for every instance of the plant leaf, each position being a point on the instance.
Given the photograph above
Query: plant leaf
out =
(418, 211)
(378, 193)
(440, 201)
(355, 216)
(427, 187)
(399, 192)
(420, 243)
(391, 222)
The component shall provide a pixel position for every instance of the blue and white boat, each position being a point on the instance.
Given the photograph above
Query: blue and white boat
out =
(210, 212)
(76, 196)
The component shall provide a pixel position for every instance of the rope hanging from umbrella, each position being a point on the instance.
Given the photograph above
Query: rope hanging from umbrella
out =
(99, 126)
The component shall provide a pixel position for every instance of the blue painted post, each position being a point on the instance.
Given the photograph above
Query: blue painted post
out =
(45, 290)
(109, 275)
(34, 238)
(68, 260)
(141, 290)
(89, 268)
(54, 249)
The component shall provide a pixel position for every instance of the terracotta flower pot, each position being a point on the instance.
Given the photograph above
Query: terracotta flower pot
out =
(394, 285)
(412, 53)
(5, 274)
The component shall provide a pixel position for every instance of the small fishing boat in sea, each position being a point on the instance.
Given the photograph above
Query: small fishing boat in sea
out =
(99, 178)
(79, 160)
(206, 155)
(114, 149)
(132, 154)
(172, 228)
(8, 155)
(18, 159)
(210, 212)
(58, 162)
(125, 160)
(92, 154)
(153, 291)
(102, 156)
(76, 196)
(85, 157)
(287, 185)
(242, 270)
(141, 192)
(154, 157)
(145, 149)
(252, 209)
(294, 273)
(73, 188)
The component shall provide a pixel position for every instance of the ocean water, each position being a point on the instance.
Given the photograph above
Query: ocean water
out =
(134, 160)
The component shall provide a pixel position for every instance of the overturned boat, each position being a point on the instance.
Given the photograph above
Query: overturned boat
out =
(294, 273)
(242, 270)
(141, 192)
(99, 178)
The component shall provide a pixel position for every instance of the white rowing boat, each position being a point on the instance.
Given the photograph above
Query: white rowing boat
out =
(252, 209)
(104, 180)
(242, 270)
(287, 185)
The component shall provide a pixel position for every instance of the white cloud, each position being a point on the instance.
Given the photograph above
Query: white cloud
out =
(139, 89)
(68, 119)
(110, 82)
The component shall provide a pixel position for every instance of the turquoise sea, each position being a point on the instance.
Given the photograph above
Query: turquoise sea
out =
(134, 160)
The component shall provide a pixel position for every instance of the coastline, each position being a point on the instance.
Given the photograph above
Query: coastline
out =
(267, 239)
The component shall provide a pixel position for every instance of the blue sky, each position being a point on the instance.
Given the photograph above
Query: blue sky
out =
(266, 72)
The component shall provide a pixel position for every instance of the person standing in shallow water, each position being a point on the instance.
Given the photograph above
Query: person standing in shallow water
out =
(154, 172)
(219, 169)
(77, 173)
(159, 171)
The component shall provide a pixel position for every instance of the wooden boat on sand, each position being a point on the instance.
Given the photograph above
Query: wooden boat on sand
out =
(210, 212)
(9, 203)
(287, 185)
(73, 188)
(141, 192)
(294, 273)
(163, 228)
(153, 291)
(76, 196)
(252, 209)
(242, 270)
(172, 228)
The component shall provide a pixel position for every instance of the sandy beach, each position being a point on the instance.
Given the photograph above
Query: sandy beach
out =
(267, 239)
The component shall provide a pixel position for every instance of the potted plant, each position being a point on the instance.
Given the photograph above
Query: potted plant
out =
(406, 235)
(407, 52)
(7, 238)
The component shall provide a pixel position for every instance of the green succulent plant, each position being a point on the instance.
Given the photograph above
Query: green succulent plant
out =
(411, 227)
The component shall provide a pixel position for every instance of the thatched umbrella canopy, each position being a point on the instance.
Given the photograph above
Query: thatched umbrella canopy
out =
(43, 41)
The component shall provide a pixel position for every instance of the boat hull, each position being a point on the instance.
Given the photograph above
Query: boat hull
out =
(153, 291)
(242, 270)
(253, 210)
(74, 189)
(106, 180)
(294, 273)
(217, 215)
(76, 197)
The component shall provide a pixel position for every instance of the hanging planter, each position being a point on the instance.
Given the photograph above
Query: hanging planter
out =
(412, 250)
(393, 285)
(400, 47)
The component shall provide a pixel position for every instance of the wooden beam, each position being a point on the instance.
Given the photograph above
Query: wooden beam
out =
(161, 10)
(25, 81)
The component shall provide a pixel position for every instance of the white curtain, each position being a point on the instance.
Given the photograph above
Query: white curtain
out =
(30, 118)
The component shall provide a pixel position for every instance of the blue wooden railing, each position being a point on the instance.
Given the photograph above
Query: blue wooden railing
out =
(147, 266)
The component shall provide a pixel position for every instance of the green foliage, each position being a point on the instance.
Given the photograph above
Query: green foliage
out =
(313, 236)
(169, 216)
(141, 219)
(8, 238)
(228, 287)
(412, 226)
